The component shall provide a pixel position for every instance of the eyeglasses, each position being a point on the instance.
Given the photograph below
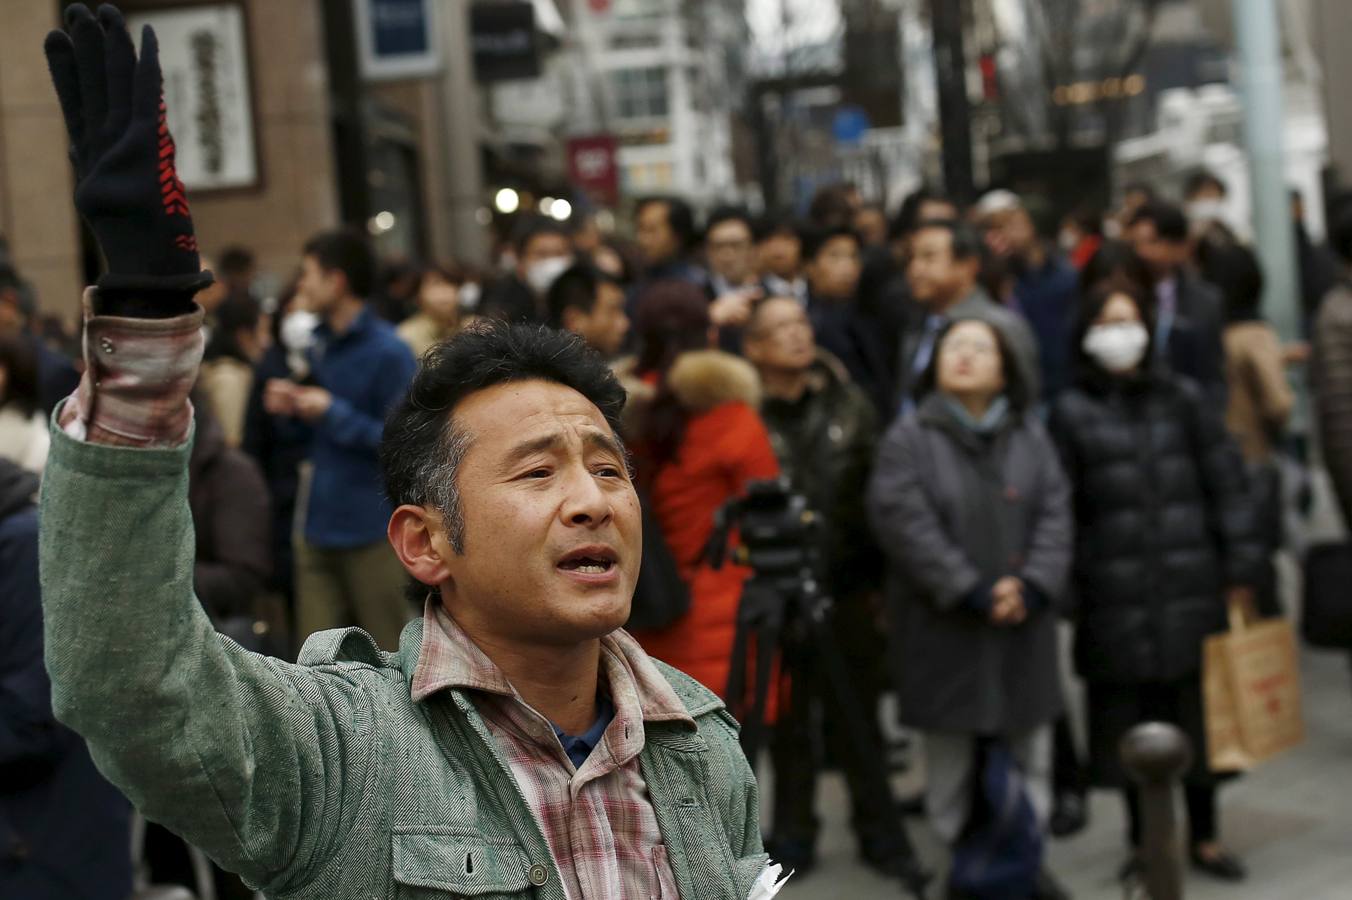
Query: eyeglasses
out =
(716, 246)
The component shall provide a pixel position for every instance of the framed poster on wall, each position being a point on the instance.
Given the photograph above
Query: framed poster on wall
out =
(204, 55)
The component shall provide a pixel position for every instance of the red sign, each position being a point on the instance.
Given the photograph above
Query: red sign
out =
(600, 6)
(593, 167)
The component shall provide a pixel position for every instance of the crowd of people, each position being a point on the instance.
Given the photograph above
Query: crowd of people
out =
(1009, 434)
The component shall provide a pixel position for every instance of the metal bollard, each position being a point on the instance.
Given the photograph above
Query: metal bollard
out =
(1156, 755)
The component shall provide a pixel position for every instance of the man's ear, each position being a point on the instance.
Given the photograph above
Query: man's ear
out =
(415, 535)
(751, 349)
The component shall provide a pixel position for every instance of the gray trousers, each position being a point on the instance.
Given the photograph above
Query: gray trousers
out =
(950, 773)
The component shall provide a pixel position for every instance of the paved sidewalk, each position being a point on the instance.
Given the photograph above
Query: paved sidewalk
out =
(1291, 821)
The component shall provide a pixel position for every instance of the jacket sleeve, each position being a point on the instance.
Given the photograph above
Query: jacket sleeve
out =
(1231, 512)
(1052, 542)
(242, 556)
(1204, 312)
(752, 456)
(229, 388)
(907, 524)
(1025, 347)
(351, 427)
(28, 731)
(1272, 389)
(243, 755)
(1333, 390)
(851, 540)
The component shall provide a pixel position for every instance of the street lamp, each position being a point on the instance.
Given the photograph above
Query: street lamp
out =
(507, 201)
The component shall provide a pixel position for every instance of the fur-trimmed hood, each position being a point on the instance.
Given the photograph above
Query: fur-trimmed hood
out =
(704, 379)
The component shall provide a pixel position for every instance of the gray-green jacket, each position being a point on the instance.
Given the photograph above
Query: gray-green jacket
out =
(320, 780)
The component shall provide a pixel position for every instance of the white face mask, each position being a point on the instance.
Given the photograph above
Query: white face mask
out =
(542, 275)
(470, 295)
(298, 329)
(1068, 240)
(1119, 347)
(1203, 212)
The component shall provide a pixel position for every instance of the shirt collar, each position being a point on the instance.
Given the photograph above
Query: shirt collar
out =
(360, 324)
(579, 746)
(448, 658)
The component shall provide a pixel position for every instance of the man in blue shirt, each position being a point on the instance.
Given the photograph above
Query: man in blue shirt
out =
(346, 573)
(1046, 287)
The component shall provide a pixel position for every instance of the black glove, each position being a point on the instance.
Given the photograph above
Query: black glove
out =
(126, 185)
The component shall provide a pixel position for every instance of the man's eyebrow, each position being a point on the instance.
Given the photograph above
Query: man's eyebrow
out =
(598, 440)
(531, 447)
(601, 441)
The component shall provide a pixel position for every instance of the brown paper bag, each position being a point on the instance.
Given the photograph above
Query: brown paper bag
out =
(1251, 691)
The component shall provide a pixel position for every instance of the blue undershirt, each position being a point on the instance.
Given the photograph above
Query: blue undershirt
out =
(579, 747)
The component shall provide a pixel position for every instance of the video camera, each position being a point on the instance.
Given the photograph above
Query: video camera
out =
(779, 535)
(785, 614)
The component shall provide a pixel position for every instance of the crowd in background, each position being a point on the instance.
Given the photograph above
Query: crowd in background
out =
(1012, 427)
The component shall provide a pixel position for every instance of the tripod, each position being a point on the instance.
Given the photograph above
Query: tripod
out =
(790, 613)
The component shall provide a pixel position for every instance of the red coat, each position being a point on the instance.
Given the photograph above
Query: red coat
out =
(725, 445)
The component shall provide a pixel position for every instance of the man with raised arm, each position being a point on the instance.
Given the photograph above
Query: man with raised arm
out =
(518, 743)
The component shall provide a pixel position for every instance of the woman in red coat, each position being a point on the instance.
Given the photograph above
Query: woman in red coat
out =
(697, 440)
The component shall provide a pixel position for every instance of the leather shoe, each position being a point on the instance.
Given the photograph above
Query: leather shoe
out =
(1224, 865)
(1070, 814)
(1048, 888)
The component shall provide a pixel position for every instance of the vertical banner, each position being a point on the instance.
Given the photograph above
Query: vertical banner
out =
(593, 167)
(206, 86)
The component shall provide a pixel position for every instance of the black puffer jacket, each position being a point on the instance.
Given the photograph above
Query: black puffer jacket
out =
(1163, 524)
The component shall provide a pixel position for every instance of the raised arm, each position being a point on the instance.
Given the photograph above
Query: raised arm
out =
(236, 752)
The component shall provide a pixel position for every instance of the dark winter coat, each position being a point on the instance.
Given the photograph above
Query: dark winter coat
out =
(65, 833)
(1194, 346)
(1331, 376)
(1164, 523)
(858, 338)
(230, 514)
(825, 443)
(955, 512)
(279, 444)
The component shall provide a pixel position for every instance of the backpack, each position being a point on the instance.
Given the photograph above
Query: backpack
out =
(661, 595)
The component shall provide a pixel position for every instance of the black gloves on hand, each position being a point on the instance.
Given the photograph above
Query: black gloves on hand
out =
(126, 185)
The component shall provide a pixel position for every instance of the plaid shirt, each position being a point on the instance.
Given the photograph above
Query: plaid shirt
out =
(138, 372)
(598, 820)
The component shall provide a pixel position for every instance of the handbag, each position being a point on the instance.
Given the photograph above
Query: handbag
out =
(1251, 693)
(999, 854)
(661, 595)
(1326, 614)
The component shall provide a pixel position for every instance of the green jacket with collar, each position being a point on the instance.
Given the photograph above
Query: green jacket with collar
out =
(320, 780)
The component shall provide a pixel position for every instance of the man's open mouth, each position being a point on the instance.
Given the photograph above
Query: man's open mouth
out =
(589, 566)
(589, 561)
